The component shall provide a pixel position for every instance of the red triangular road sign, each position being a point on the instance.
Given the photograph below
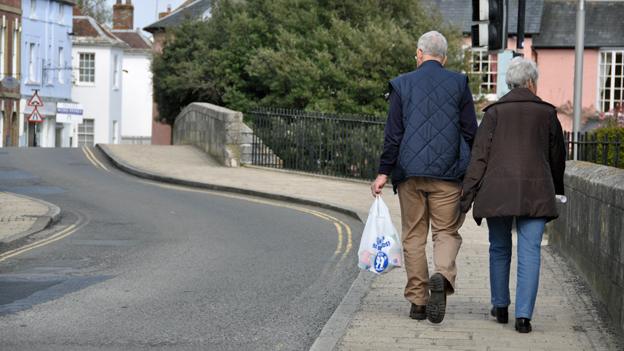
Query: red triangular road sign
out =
(35, 116)
(35, 100)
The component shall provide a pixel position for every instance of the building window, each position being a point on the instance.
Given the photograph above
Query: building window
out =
(61, 15)
(611, 79)
(49, 74)
(14, 63)
(85, 132)
(86, 68)
(32, 62)
(483, 65)
(116, 72)
(115, 132)
(3, 41)
(61, 64)
(33, 8)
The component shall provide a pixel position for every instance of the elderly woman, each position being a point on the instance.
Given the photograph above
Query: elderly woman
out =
(516, 168)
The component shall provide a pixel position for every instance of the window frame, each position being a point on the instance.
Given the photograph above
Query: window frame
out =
(82, 132)
(3, 46)
(61, 65)
(491, 85)
(14, 60)
(80, 80)
(33, 8)
(61, 13)
(116, 70)
(612, 76)
(32, 64)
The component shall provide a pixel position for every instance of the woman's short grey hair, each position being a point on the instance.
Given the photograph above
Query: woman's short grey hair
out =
(520, 72)
(433, 43)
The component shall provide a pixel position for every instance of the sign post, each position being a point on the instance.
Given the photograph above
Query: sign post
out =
(35, 102)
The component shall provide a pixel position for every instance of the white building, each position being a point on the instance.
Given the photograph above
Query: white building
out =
(137, 100)
(97, 85)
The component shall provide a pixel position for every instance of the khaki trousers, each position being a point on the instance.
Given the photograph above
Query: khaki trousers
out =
(423, 201)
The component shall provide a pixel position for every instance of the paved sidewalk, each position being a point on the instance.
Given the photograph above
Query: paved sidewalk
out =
(21, 216)
(566, 316)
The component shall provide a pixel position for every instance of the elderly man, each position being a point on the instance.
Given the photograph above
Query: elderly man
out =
(430, 128)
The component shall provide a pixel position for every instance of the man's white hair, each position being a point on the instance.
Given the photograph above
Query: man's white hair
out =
(520, 72)
(433, 43)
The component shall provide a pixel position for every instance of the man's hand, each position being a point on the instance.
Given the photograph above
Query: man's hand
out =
(378, 184)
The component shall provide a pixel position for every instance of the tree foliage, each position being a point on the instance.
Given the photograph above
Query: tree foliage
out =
(324, 55)
(98, 9)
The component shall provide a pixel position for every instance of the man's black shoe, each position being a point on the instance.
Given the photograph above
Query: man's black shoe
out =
(418, 312)
(436, 307)
(501, 314)
(523, 325)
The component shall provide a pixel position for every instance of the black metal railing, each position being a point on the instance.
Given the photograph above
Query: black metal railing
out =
(604, 150)
(320, 143)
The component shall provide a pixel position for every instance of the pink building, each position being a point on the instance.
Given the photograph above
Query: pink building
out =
(551, 32)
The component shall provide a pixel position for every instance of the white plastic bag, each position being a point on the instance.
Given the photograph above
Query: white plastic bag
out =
(380, 247)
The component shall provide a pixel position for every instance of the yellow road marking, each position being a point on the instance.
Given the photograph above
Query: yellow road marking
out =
(56, 237)
(339, 230)
(337, 222)
(84, 151)
(94, 159)
(349, 245)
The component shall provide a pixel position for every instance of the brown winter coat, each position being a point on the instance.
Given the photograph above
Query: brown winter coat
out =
(517, 161)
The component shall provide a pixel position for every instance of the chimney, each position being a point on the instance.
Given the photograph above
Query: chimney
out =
(163, 14)
(123, 15)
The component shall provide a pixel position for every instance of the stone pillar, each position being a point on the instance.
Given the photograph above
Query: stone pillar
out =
(123, 15)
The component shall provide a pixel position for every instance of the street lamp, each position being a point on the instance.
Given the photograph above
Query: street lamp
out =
(578, 74)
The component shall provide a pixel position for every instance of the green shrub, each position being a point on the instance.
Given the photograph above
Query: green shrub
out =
(610, 139)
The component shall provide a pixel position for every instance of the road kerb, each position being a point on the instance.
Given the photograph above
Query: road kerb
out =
(43, 222)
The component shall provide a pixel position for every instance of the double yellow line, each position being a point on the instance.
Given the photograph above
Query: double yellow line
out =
(345, 234)
(91, 157)
(56, 237)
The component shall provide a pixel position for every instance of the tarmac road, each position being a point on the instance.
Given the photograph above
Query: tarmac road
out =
(138, 265)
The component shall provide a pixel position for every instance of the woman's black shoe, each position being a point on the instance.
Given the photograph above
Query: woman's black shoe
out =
(418, 312)
(523, 325)
(501, 314)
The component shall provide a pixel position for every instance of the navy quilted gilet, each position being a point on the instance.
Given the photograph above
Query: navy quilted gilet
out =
(432, 144)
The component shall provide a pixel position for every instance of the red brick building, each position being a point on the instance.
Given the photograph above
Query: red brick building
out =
(10, 75)
(161, 132)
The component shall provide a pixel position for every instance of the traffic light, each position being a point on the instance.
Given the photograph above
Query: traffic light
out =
(491, 31)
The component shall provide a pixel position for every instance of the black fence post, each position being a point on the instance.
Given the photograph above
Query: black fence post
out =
(616, 146)
(605, 150)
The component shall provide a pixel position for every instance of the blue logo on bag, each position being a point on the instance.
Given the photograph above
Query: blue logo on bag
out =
(380, 244)
(381, 262)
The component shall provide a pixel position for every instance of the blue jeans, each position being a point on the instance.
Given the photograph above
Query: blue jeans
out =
(530, 231)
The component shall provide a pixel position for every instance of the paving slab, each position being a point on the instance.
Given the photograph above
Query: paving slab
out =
(21, 216)
(374, 313)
